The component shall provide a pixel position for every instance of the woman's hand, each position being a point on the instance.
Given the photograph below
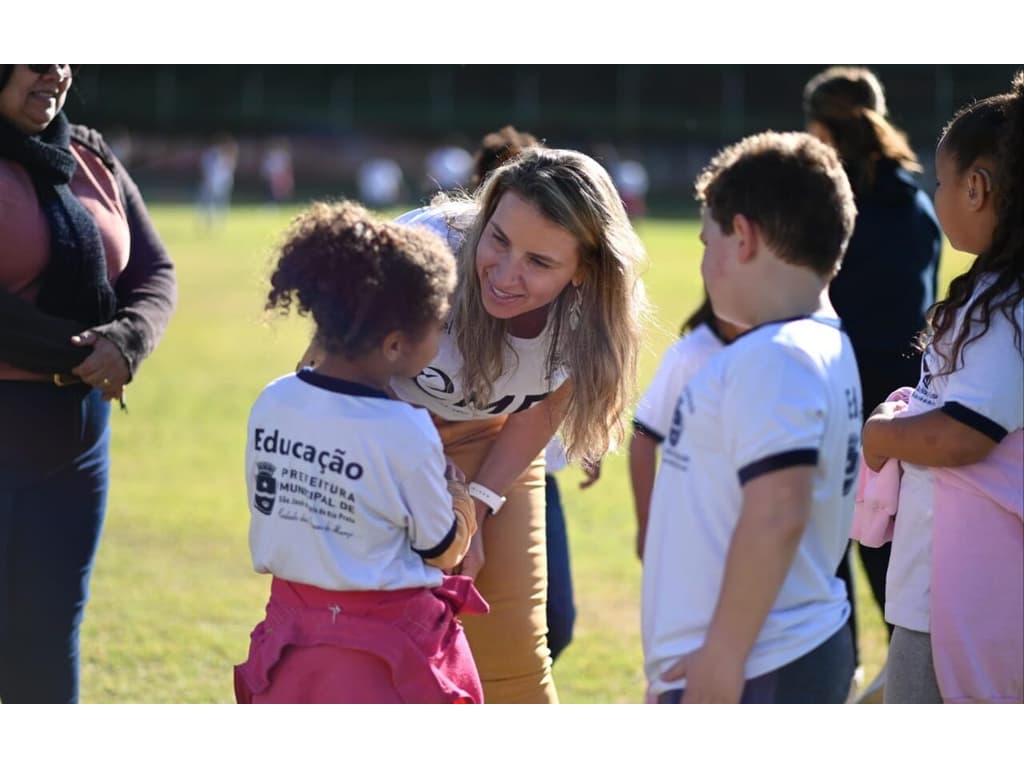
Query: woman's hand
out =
(105, 368)
(473, 562)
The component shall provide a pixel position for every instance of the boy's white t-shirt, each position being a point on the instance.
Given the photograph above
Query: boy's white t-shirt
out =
(985, 394)
(346, 487)
(783, 394)
(653, 415)
(438, 387)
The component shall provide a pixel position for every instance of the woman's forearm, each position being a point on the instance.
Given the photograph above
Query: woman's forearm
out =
(521, 439)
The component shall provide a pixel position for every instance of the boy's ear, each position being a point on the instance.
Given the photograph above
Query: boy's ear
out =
(746, 237)
(979, 188)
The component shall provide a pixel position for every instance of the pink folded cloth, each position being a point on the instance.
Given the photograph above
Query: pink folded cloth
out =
(877, 495)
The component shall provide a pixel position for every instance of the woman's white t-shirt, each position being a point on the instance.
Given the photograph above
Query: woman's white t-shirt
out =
(439, 386)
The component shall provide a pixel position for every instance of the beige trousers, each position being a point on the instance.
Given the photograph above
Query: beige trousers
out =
(510, 643)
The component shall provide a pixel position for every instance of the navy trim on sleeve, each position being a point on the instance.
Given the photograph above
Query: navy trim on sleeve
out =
(974, 420)
(429, 554)
(799, 457)
(642, 429)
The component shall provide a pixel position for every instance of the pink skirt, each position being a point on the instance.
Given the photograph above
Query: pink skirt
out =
(977, 589)
(385, 647)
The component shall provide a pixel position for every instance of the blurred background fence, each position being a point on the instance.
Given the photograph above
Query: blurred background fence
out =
(668, 118)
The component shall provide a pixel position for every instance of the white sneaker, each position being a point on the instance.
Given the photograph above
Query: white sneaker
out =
(856, 683)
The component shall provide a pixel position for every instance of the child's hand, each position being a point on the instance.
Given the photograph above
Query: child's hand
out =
(884, 413)
(874, 461)
(888, 409)
(452, 471)
(709, 680)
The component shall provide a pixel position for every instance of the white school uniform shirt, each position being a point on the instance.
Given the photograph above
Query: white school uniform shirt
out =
(783, 394)
(653, 415)
(346, 487)
(524, 380)
(985, 394)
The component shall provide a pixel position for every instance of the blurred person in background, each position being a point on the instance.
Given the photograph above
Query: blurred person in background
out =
(278, 175)
(380, 182)
(86, 291)
(889, 276)
(217, 165)
(631, 180)
(448, 168)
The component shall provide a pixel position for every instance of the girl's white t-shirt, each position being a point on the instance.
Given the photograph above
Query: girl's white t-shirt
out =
(682, 360)
(346, 487)
(986, 394)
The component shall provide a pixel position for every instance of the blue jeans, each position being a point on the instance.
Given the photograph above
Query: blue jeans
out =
(561, 610)
(821, 676)
(54, 474)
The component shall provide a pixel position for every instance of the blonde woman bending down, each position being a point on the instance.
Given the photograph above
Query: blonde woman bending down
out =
(544, 332)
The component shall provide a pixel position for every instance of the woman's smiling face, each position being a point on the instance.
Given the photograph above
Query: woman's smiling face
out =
(30, 100)
(524, 261)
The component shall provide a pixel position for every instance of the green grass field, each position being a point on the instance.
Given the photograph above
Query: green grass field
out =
(173, 594)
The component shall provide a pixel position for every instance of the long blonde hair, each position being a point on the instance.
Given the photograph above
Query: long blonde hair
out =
(600, 353)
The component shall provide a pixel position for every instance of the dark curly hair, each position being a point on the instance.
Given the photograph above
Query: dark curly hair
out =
(793, 187)
(361, 278)
(993, 128)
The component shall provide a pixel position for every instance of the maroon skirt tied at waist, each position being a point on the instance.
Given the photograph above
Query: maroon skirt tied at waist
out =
(413, 631)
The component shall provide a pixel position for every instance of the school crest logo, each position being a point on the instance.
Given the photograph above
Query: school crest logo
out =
(926, 375)
(852, 463)
(435, 383)
(676, 430)
(266, 487)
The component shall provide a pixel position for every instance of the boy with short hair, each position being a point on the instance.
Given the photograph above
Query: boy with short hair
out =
(753, 502)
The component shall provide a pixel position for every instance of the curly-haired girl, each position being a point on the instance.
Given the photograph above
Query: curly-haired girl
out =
(353, 510)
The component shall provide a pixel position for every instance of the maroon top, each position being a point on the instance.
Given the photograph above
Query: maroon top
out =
(137, 263)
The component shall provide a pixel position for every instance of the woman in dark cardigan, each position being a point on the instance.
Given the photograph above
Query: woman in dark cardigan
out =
(890, 272)
(86, 291)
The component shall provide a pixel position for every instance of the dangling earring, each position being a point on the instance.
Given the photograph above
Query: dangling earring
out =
(576, 309)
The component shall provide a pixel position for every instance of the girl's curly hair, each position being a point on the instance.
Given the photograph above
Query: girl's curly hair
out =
(361, 278)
